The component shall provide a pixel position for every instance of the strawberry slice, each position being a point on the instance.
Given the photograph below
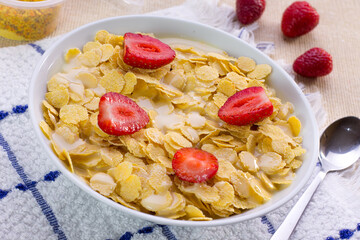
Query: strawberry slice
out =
(146, 52)
(119, 115)
(246, 107)
(194, 165)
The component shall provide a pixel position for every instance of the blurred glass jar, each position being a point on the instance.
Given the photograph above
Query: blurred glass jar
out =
(28, 19)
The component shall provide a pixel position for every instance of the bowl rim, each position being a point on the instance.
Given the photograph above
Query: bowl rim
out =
(157, 219)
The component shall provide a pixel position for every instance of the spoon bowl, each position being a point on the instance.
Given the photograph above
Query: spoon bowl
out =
(340, 144)
(339, 149)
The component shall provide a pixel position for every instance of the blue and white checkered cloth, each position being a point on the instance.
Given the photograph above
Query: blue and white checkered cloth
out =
(38, 202)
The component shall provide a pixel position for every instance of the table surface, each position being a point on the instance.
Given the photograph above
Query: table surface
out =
(338, 32)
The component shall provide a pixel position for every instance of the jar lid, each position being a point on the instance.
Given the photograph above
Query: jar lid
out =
(38, 4)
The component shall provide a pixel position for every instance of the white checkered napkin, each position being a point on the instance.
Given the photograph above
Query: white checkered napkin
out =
(38, 202)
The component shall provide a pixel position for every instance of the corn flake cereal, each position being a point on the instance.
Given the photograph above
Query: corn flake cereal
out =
(295, 125)
(73, 114)
(58, 98)
(91, 45)
(206, 73)
(261, 71)
(157, 202)
(226, 87)
(71, 54)
(87, 79)
(90, 58)
(45, 128)
(130, 188)
(245, 64)
(102, 183)
(112, 81)
(182, 100)
(130, 82)
(106, 52)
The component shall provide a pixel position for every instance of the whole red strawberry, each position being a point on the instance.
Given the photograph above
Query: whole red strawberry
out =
(246, 107)
(298, 19)
(146, 52)
(119, 115)
(248, 11)
(315, 62)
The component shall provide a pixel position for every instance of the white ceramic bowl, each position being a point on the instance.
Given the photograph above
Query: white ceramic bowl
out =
(285, 87)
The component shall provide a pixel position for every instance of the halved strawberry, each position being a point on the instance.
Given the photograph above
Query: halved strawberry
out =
(246, 107)
(143, 51)
(194, 165)
(119, 115)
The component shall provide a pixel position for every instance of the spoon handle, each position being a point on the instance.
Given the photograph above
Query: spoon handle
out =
(287, 227)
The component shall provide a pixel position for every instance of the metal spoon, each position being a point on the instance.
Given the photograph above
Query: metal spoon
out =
(339, 149)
